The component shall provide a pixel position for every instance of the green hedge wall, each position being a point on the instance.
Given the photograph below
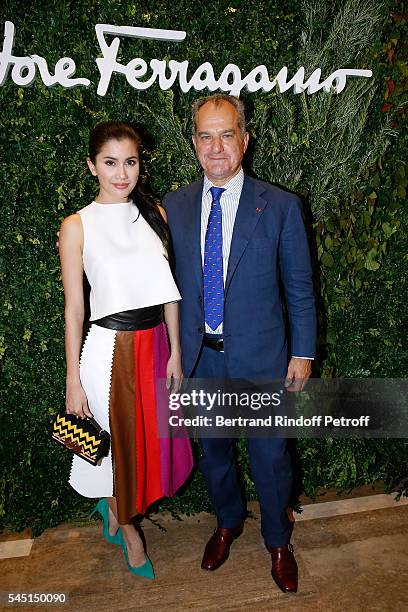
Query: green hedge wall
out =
(344, 155)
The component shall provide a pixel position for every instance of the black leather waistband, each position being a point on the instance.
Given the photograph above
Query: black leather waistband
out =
(217, 343)
(133, 320)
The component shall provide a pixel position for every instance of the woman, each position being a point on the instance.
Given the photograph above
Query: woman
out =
(121, 240)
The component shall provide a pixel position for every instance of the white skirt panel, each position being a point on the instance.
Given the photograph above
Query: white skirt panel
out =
(95, 373)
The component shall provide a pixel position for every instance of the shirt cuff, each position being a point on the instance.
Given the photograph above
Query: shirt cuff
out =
(296, 357)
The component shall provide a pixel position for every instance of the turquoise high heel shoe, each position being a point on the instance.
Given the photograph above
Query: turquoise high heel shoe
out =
(146, 570)
(103, 508)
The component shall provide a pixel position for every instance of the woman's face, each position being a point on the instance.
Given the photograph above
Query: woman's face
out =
(117, 169)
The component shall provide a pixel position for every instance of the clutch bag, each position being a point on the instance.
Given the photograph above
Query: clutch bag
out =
(85, 437)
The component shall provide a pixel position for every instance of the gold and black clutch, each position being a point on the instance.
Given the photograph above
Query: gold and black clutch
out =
(85, 437)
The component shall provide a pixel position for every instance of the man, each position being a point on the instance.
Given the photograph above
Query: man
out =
(234, 238)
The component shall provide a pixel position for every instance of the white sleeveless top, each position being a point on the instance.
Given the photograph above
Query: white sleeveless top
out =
(124, 260)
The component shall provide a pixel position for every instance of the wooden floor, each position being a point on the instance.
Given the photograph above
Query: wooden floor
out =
(350, 562)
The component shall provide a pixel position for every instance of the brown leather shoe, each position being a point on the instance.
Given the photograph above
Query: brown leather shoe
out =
(218, 546)
(284, 568)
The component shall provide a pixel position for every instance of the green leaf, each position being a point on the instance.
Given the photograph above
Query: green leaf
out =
(27, 334)
(327, 259)
(370, 261)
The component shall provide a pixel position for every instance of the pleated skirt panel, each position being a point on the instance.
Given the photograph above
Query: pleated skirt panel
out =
(122, 373)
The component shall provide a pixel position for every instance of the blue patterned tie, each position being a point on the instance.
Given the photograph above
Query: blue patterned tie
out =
(213, 268)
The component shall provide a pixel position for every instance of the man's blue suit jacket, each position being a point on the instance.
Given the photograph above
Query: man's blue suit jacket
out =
(268, 243)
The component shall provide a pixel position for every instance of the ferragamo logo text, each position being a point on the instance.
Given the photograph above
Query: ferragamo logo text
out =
(142, 75)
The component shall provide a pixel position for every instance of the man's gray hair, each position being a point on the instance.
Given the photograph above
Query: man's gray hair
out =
(217, 99)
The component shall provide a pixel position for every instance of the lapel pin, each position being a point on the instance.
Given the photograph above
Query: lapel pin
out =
(258, 210)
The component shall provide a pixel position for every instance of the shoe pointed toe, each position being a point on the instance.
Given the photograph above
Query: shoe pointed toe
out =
(218, 546)
(145, 571)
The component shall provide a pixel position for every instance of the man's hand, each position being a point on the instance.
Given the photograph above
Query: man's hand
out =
(298, 372)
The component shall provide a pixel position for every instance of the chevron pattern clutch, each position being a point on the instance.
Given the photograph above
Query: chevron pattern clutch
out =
(85, 437)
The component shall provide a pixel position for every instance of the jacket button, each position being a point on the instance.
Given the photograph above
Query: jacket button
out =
(200, 330)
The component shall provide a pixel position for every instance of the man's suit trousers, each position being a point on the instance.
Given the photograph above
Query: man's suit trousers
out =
(270, 465)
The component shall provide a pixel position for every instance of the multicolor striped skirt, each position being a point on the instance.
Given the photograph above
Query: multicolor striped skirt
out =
(119, 372)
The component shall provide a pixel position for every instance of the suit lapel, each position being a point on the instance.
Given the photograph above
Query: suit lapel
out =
(250, 209)
(192, 223)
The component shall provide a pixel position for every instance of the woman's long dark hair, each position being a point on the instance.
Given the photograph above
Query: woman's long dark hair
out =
(117, 130)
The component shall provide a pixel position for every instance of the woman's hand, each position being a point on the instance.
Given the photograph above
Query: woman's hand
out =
(174, 373)
(76, 402)
(174, 370)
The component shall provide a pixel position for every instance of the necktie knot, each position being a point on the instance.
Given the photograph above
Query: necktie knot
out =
(216, 193)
